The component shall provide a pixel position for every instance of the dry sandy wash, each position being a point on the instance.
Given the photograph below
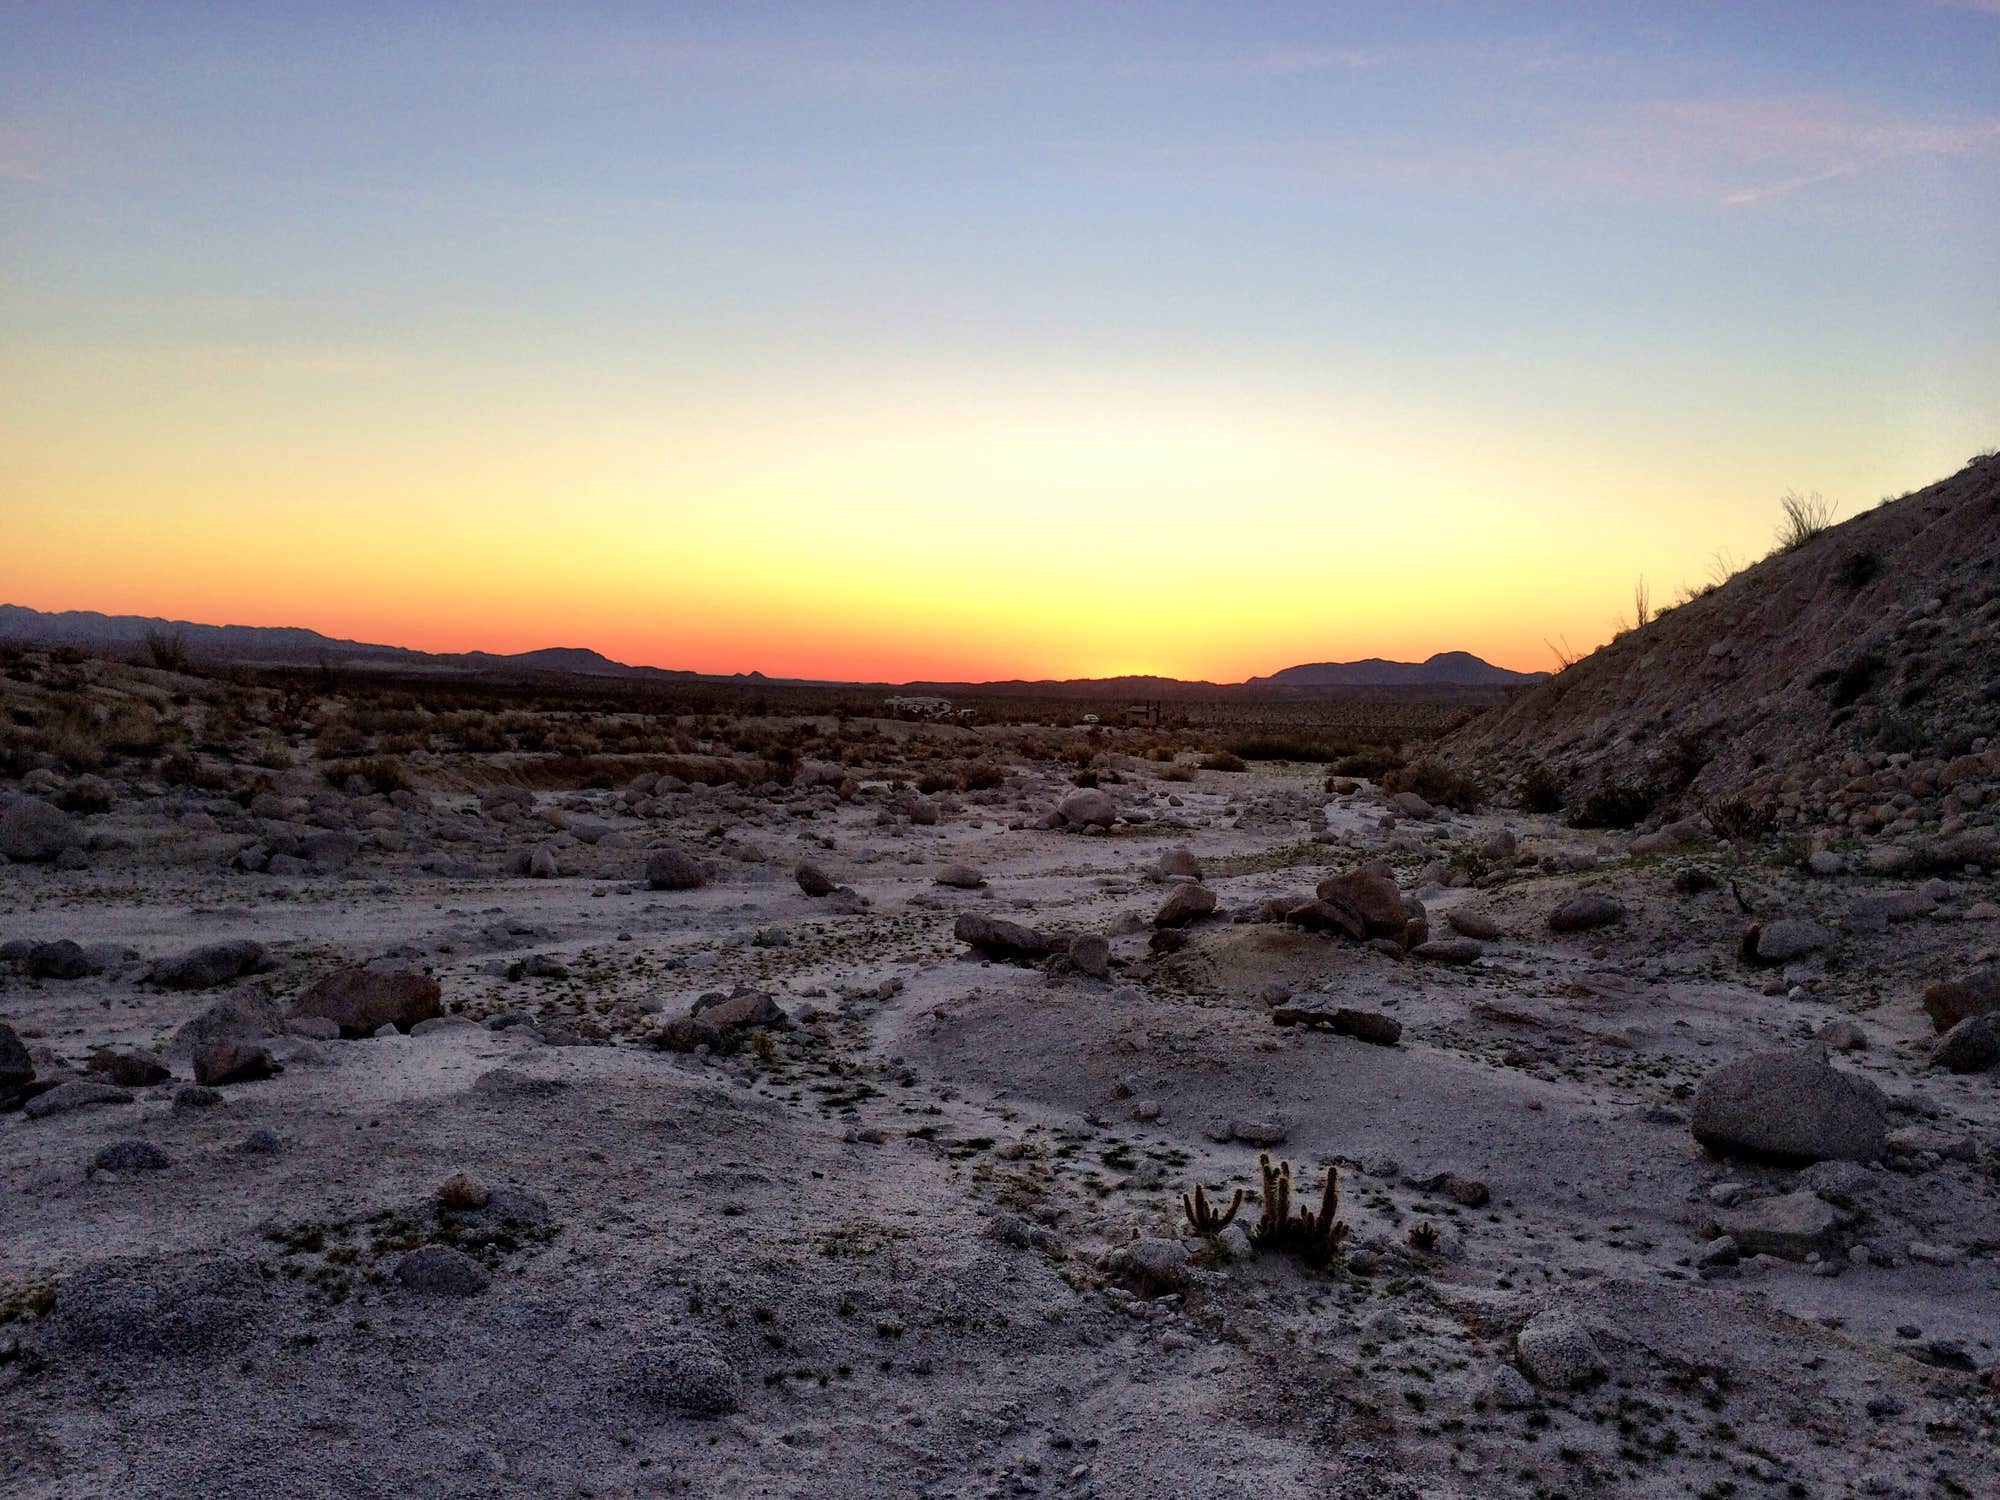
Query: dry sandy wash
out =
(741, 1121)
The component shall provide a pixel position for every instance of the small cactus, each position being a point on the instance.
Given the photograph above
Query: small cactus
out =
(1423, 1237)
(1313, 1237)
(1203, 1216)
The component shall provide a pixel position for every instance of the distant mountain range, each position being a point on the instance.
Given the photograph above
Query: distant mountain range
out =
(1450, 668)
(291, 645)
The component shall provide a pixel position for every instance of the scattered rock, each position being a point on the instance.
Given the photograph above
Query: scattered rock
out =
(441, 1271)
(1972, 1046)
(360, 1001)
(1786, 939)
(32, 830)
(1185, 904)
(60, 960)
(1087, 807)
(1953, 1000)
(672, 868)
(1362, 1025)
(1792, 1226)
(232, 1060)
(683, 1380)
(17, 1068)
(130, 1156)
(1449, 951)
(1583, 913)
(243, 1016)
(211, 964)
(1557, 1352)
(1091, 954)
(1471, 923)
(1152, 1266)
(961, 877)
(814, 881)
(130, 1067)
(1370, 895)
(73, 1095)
(999, 938)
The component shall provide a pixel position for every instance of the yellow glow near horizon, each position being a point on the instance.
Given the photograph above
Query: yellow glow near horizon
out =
(917, 528)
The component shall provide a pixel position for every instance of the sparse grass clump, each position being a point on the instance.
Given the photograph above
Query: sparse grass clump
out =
(1805, 517)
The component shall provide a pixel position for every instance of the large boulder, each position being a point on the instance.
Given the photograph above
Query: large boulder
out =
(998, 938)
(814, 881)
(1186, 902)
(31, 830)
(672, 868)
(1790, 1106)
(210, 964)
(1953, 1000)
(1972, 1046)
(362, 1001)
(1370, 895)
(1087, 807)
(61, 959)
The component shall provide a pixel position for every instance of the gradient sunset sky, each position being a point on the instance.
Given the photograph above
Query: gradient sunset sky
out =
(973, 341)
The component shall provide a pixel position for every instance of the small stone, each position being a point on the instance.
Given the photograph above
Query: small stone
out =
(130, 1156)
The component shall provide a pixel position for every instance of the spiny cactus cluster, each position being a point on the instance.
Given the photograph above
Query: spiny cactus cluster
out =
(1313, 1237)
(1204, 1217)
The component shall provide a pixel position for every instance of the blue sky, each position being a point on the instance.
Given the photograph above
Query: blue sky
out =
(1658, 263)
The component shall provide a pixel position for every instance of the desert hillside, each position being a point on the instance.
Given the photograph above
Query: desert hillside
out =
(1850, 681)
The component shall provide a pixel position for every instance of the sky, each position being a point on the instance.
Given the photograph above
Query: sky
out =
(975, 341)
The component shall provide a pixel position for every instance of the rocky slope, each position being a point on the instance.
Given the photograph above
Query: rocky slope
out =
(1850, 684)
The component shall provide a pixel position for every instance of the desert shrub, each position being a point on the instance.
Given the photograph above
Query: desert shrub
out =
(166, 650)
(183, 769)
(1736, 819)
(1222, 760)
(85, 798)
(1613, 804)
(1856, 678)
(383, 773)
(1283, 749)
(1540, 790)
(1176, 773)
(933, 782)
(981, 776)
(1435, 783)
(1805, 517)
(1898, 732)
(1370, 761)
(1857, 570)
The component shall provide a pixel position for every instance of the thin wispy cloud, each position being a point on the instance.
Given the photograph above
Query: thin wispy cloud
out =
(18, 161)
